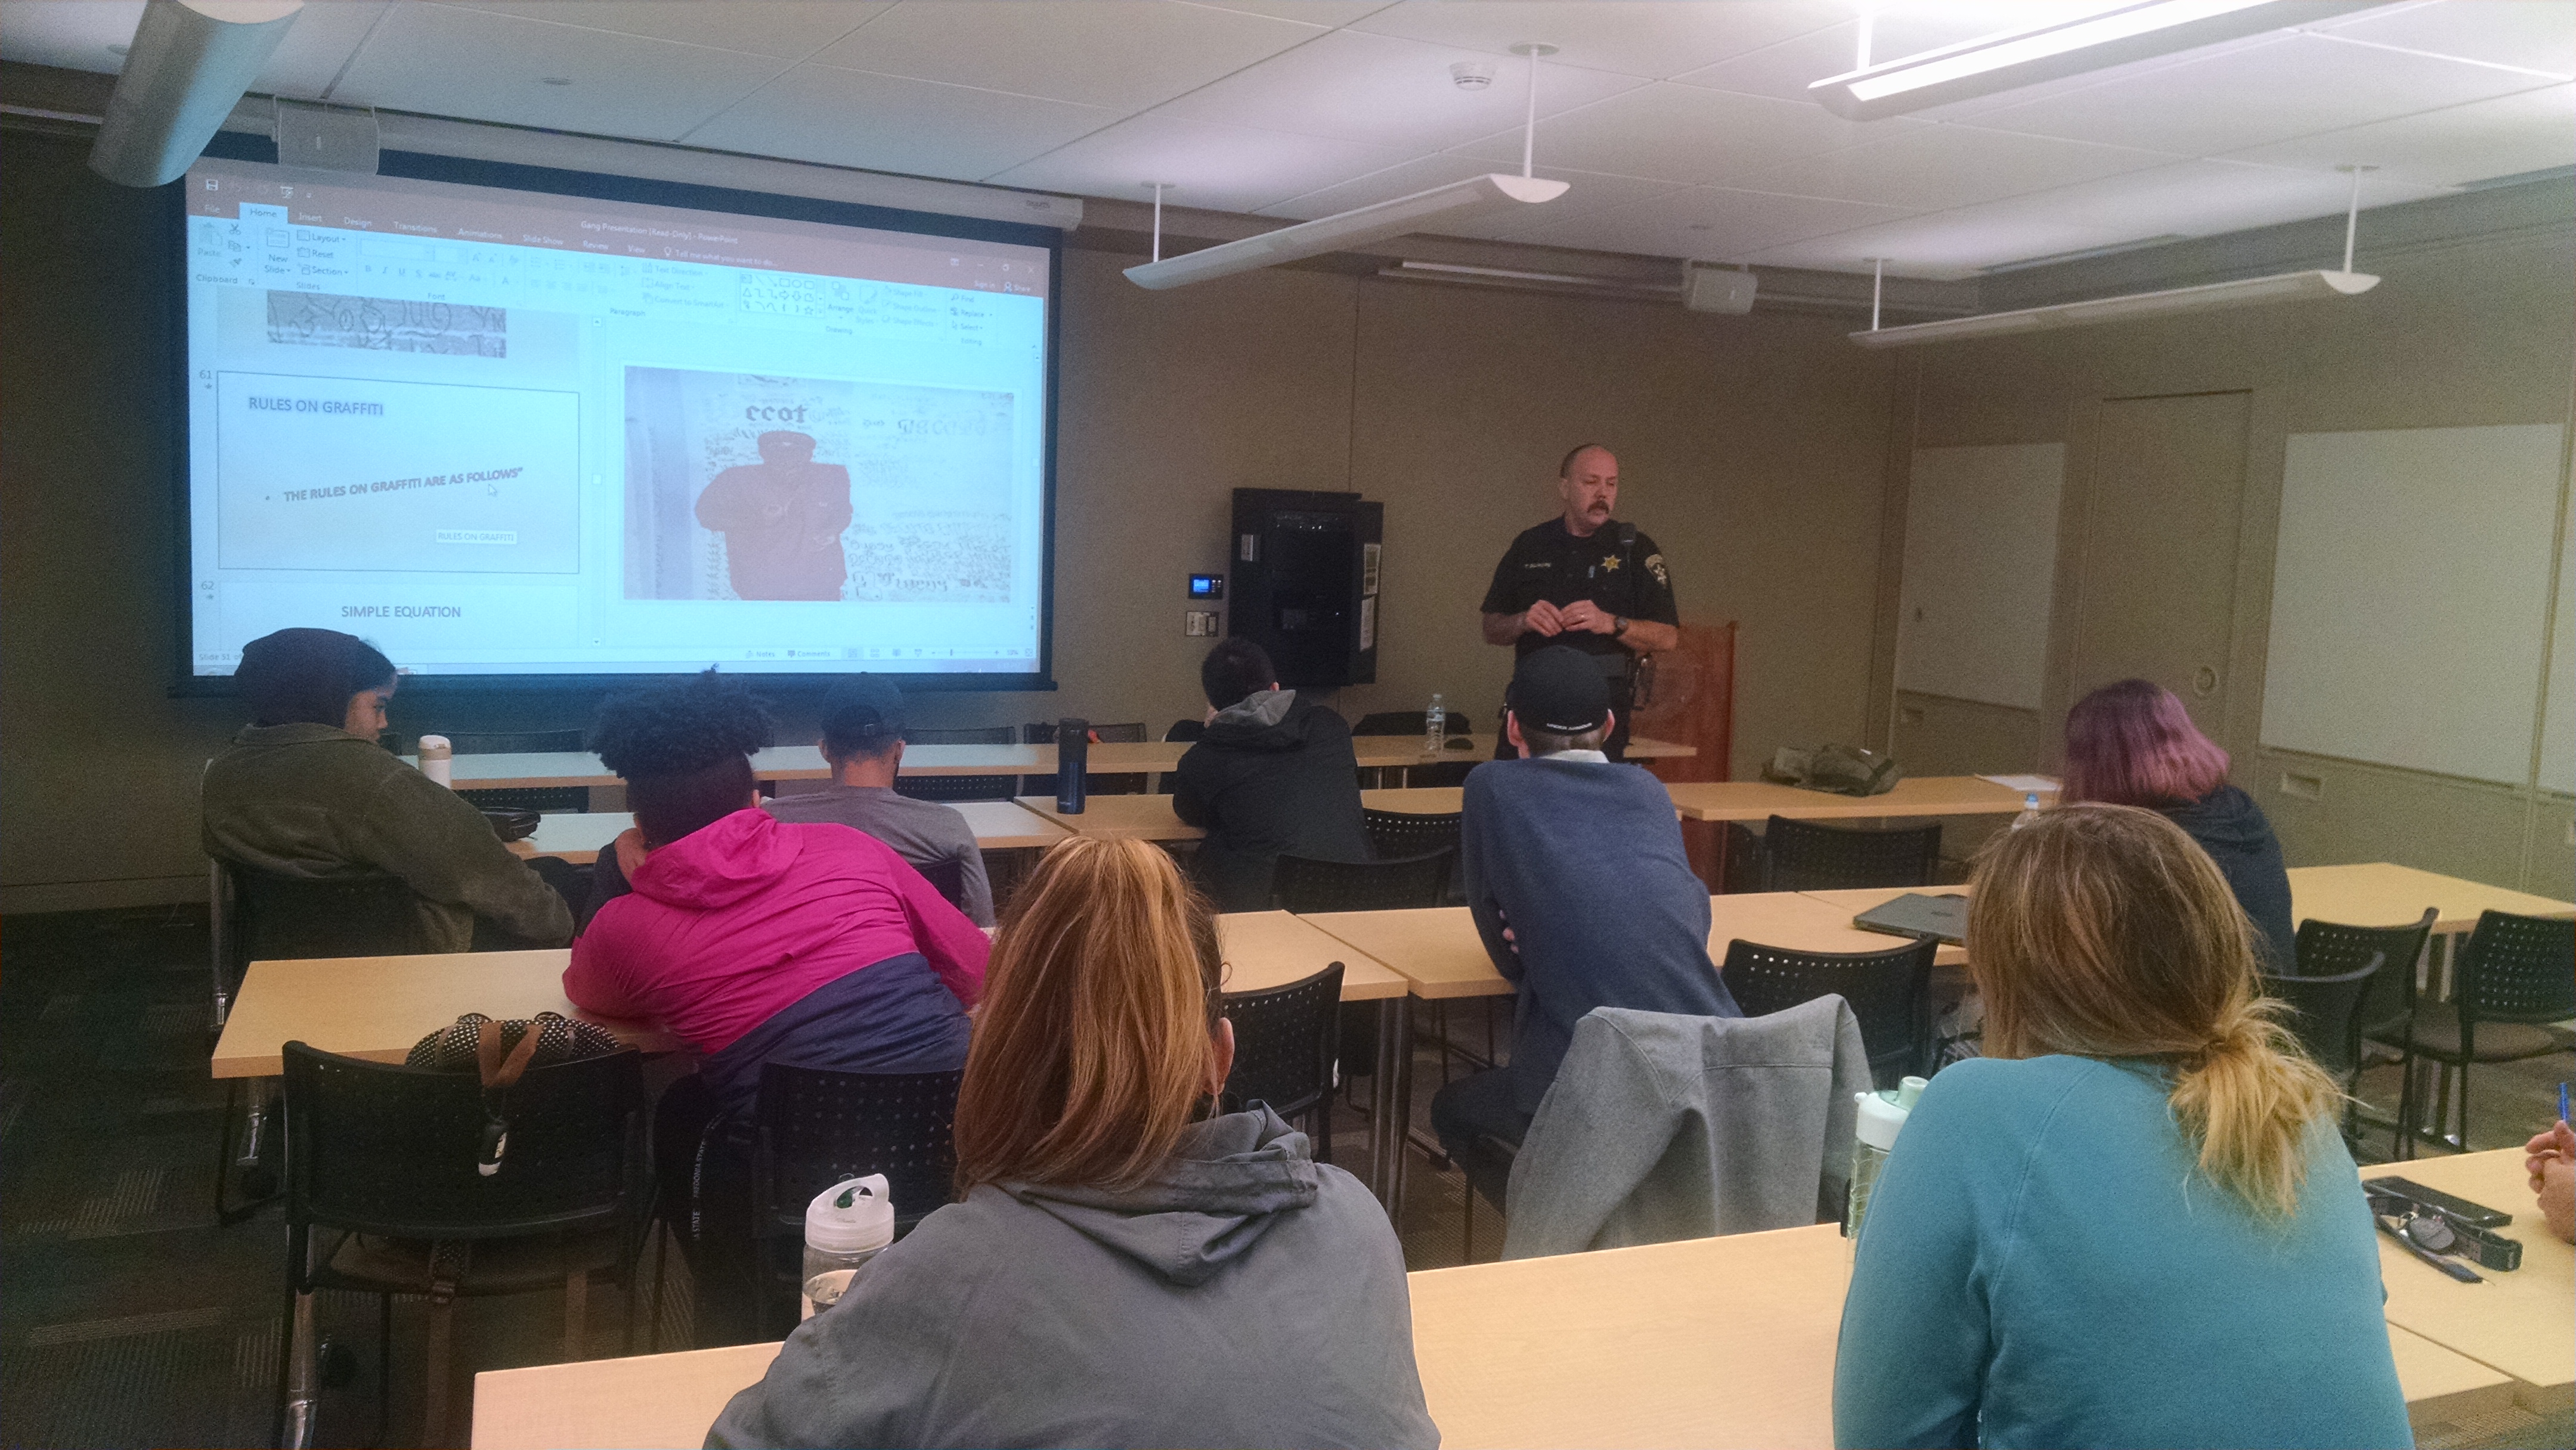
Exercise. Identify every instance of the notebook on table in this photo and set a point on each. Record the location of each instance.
(1924, 918)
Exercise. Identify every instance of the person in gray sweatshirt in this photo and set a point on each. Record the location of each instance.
(1124, 1269)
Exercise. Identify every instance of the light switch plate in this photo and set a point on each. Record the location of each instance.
(1198, 623)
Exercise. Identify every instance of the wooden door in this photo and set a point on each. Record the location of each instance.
(2158, 591)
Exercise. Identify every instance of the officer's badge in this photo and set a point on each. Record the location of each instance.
(1610, 564)
(1655, 566)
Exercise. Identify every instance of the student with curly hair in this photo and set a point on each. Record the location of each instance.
(2133, 1221)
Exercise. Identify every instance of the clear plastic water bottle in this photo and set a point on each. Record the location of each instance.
(1881, 1119)
(1435, 726)
(2029, 809)
(846, 1225)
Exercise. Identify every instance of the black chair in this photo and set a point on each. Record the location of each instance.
(1890, 992)
(1042, 732)
(1411, 722)
(1813, 856)
(388, 1157)
(947, 876)
(2325, 1015)
(2512, 977)
(1308, 886)
(261, 916)
(959, 787)
(1395, 835)
(1285, 1042)
(2332, 949)
(522, 798)
(814, 1127)
(1188, 730)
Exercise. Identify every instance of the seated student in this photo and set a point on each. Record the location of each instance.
(863, 743)
(306, 791)
(757, 940)
(2133, 1222)
(1575, 875)
(1129, 1265)
(1273, 776)
(2133, 744)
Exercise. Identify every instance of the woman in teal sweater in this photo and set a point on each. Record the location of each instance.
(2132, 1222)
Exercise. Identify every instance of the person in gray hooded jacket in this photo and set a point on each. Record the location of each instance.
(1118, 1272)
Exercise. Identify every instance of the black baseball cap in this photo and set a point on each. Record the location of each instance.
(1559, 690)
(863, 713)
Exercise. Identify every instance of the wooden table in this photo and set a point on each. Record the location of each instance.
(1849, 904)
(1420, 800)
(377, 1007)
(2379, 894)
(2520, 1323)
(1931, 795)
(1117, 818)
(579, 836)
(1613, 1348)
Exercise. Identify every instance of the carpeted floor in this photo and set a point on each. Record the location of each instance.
(131, 1318)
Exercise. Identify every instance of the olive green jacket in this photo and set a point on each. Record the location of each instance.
(309, 800)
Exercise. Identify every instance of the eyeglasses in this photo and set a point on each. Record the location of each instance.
(2425, 1229)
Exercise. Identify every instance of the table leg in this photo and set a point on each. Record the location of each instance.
(1386, 1136)
(303, 1378)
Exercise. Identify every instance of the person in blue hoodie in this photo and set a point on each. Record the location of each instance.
(1126, 1266)
(2133, 1222)
(2133, 744)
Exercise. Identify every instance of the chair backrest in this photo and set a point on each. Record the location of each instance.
(542, 798)
(2332, 949)
(1191, 730)
(1813, 856)
(947, 876)
(817, 1126)
(2516, 969)
(2325, 1013)
(268, 917)
(1889, 992)
(514, 742)
(957, 787)
(1285, 1041)
(380, 1148)
(979, 735)
(1395, 835)
(1411, 722)
(1304, 885)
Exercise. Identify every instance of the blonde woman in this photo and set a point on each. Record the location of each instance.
(2133, 1222)
(1124, 1268)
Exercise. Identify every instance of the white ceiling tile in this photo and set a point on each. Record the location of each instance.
(1587, 192)
(484, 66)
(1384, 92)
(894, 123)
(1707, 222)
(1218, 168)
(1944, 246)
(69, 34)
(1939, 166)
(2508, 136)
(1652, 40)
(1311, 12)
(2538, 34)
(316, 46)
(2194, 199)
(2294, 85)
(788, 29)
(1128, 54)
(1680, 133)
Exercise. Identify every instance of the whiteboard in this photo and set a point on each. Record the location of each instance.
(1980, 565)
(2558, 722)
(2409, 595)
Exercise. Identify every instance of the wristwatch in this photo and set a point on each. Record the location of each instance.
(1618, 626)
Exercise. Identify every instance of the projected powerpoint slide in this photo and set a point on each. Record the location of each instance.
(363, 474)
(748, 486)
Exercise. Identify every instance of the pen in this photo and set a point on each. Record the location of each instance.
(2562, 1102)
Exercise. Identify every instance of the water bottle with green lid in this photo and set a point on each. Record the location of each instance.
(846, 1225)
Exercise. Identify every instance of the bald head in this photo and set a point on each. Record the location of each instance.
(1588, 483)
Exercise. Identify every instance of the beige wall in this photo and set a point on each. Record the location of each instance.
(2459, 335)
(1753, 449)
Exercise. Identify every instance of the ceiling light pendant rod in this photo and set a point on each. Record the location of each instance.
(2352, 212)
(1529, 121)
(1877, 288)
(1158, 218)
(1868, 22)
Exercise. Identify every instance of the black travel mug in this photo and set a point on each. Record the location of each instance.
(1072, 759)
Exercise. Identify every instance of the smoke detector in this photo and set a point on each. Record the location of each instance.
(1472, 75)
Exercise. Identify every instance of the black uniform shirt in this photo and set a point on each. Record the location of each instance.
(1548, 563)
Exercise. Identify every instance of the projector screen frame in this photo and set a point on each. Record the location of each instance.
(602, 186)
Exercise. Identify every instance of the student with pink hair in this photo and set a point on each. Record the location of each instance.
(2133, 744)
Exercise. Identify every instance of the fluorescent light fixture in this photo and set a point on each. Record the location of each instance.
(2250, 292)
(1455, 202)
(2010, 59)
(189, 64)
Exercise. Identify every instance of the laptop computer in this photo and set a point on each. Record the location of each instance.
(1924, 918)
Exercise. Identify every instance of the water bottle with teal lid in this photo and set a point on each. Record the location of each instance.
(1882, 1117)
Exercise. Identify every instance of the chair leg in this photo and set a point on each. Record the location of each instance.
(384, 1366)
(576, 1315)
(2402, 1144)
(442, 1331)
(1467, 1218)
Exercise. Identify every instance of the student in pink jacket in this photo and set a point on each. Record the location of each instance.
(755, 940)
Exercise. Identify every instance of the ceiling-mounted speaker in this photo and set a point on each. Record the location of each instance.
(1710, 288)
(327, 138)
(188, 66)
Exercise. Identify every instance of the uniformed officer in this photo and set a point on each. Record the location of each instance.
(1581, 580)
